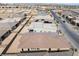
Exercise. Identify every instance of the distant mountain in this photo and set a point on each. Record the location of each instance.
(69, 3)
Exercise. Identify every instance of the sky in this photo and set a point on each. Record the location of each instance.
(39, 1)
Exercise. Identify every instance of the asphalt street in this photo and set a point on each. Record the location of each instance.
(74, 38)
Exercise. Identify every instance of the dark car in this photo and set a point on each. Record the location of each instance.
(36, 20)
